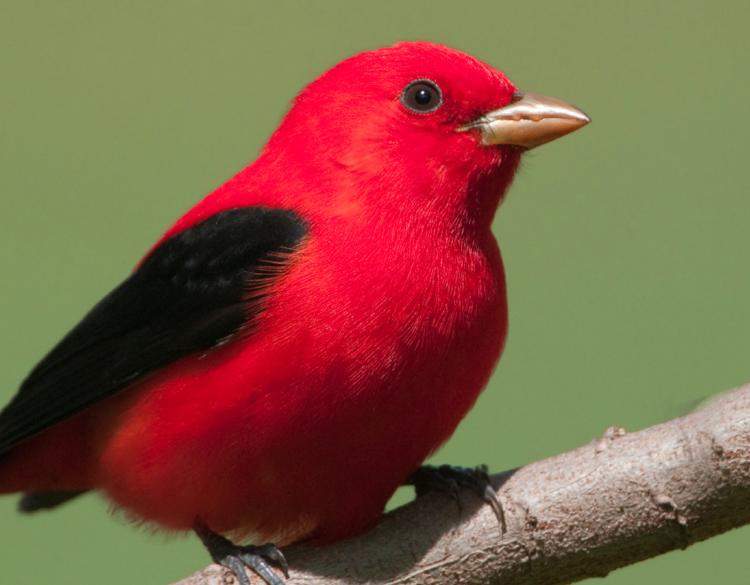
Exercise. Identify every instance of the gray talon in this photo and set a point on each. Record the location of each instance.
(448, 479)
(237, 567)
(237, 558)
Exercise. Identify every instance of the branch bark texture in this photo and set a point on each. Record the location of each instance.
(622, 498)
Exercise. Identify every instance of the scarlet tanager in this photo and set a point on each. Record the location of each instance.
(299, 342)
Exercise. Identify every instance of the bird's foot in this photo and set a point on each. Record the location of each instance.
(236, 558)
(449, 479)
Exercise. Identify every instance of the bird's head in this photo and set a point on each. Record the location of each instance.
(419, 127)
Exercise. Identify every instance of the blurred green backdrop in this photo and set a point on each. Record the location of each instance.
(626, 244)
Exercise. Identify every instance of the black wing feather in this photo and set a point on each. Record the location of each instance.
(189, 295)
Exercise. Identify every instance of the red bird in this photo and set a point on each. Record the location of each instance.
(299, 342)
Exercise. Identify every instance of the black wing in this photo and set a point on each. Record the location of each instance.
(188, 295)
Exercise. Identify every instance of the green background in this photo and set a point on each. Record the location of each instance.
(626, 244)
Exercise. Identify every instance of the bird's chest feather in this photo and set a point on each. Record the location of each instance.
(393, 355)
(399, 337)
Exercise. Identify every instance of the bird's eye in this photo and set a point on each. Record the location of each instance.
(422, 96)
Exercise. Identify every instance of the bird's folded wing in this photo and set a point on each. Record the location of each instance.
(196, 290)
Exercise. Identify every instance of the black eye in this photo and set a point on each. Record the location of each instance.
(422, 96)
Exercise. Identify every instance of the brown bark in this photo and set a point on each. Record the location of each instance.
(622, 498)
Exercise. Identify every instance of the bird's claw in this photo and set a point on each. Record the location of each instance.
(259, 559)
(449, 479)
(237, 558)
(272, 553)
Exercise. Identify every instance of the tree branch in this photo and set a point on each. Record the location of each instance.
(618, 500)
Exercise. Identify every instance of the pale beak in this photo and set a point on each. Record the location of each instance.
(528, 121)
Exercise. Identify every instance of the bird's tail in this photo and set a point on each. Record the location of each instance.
(49, 469)
(35, 501)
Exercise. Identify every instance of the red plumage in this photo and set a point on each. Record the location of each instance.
(372, 345)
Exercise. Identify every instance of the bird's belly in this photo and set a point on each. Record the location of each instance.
(301, 432)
